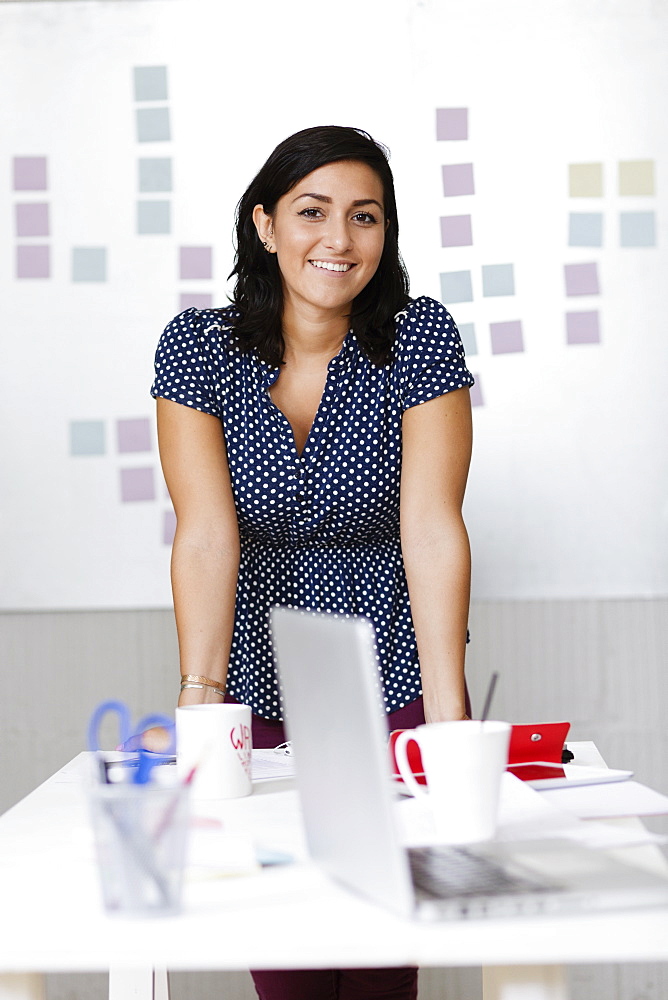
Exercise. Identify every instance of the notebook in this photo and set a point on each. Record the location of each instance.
(335, 717)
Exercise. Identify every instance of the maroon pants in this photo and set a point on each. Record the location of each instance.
(335, 984)
(270, 732)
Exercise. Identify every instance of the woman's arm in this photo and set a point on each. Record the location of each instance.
(435, 545)
(205, 555)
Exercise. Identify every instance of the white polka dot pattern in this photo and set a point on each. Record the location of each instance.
(318, 531)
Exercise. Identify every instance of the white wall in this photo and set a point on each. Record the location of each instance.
(568, 490)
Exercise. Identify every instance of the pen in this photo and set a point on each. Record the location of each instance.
(490, 694)
(169, 811)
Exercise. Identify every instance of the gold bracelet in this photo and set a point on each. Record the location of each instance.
(198, 679)
(202, 687)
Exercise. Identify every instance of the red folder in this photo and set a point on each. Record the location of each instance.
(529, 744)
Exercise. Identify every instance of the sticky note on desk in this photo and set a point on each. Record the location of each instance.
(212, 853)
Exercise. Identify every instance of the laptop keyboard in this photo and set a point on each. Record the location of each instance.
(451, 872)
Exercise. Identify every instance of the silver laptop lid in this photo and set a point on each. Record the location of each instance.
(334, 716)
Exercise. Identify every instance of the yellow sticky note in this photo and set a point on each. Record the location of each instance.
(636, 177)
(585, 180)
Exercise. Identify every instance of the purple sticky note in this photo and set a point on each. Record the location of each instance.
(456, 231)
(582, 328)
(33, 262)
(195, 262)
(137, 484)
(458, 179)
(195, 300)
(30, 173)
(506, 337)
(452, 123)
(168, 527)
(476, 393)
(581, 279)
(32, 219)
(134, 435)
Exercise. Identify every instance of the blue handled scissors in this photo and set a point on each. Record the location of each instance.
(126, 731)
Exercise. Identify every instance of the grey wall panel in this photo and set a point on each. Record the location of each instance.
(57, 666)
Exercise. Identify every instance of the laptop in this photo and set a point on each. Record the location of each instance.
(335, 718)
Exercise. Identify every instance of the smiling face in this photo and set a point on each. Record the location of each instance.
(328, 233)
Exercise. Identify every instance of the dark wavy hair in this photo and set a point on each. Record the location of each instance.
(258, 291)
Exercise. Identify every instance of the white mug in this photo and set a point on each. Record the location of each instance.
(216, 740)
(463, 763)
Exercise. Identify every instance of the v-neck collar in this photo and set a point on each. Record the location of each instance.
(339, 365)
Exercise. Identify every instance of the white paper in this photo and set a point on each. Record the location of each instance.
(214, 853)
(525, 814)
(574, 774)
(625, 798)
(267, 764)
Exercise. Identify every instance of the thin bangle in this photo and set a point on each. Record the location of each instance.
(203, 687)
(198, 679)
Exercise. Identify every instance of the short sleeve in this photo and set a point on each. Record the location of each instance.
(429, 355)
(187, 361)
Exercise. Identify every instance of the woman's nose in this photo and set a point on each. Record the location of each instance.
(338, 235)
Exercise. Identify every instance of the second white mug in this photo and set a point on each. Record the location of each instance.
(463, 763)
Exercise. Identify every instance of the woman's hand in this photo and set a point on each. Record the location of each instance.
(158, 739)
(429, 717)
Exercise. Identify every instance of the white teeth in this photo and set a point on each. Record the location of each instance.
(330, 267)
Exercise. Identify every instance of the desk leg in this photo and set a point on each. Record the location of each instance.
(22, 986)
(160, 984)
(524, 982)
(137, 984)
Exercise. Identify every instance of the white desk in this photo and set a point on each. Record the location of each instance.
(290, 917)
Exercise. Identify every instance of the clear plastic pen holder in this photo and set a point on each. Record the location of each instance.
(140, 838)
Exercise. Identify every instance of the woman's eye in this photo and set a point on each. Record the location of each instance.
(365, 217)
(310, 213)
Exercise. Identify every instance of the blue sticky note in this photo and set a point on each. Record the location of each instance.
(153, 125)
(637, 229)
(155, 174)
(585, 229)
(456, 286)
(498, 279)
(154, 217)
(87, 437)
(89, 264)
(467, 333)
(150, 83)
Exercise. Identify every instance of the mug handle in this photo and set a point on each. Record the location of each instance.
(401, 757)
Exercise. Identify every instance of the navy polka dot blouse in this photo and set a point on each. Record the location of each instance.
(318, 531)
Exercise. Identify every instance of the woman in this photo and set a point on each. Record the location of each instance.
(315, 437)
